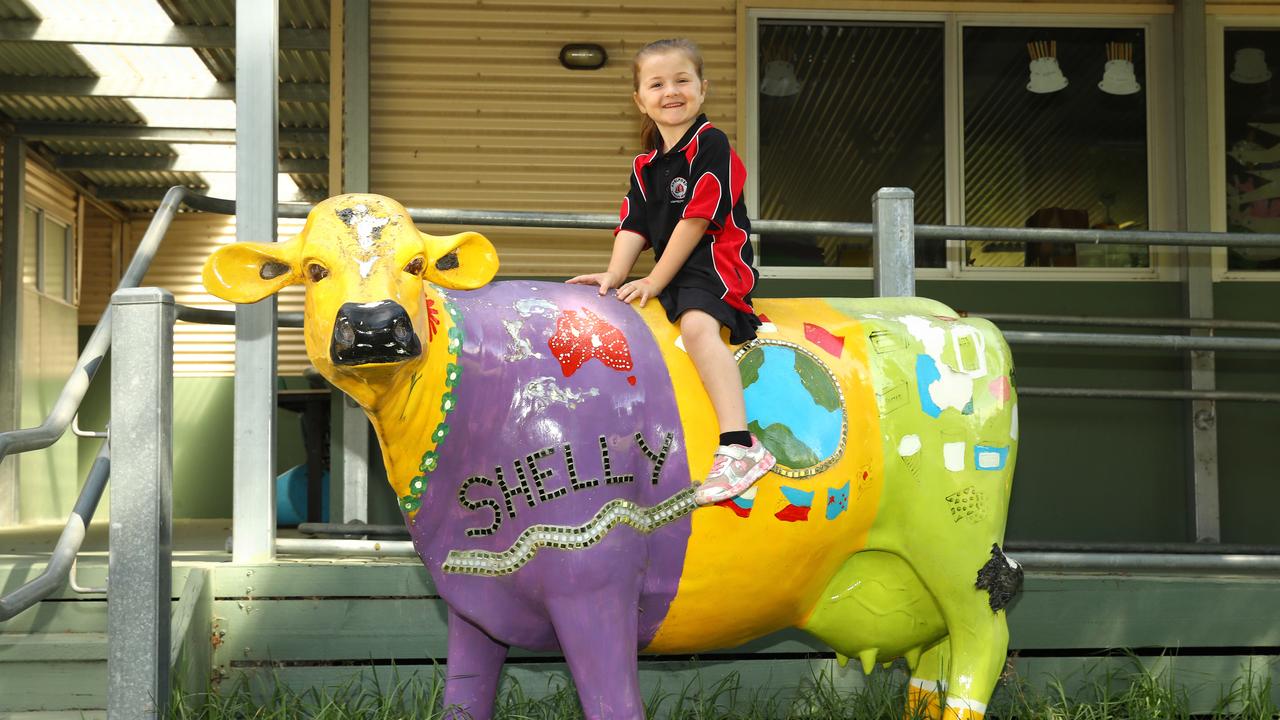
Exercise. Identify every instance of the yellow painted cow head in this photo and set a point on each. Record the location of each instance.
(366, 269)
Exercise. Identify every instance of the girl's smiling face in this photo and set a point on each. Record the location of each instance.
(670, 91)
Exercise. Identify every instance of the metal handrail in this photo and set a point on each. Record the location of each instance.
(64, 553)
(212, 316)
(1135, 322)
(598, 221)
(73, 392)
(1129, 394)
(1153, 342)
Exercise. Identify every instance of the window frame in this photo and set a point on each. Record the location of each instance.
(43, 216)
(1218, 23)
(1161, 153)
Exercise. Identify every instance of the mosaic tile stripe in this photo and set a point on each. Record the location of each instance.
(564, 537)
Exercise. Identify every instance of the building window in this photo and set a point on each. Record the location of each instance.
(31, 248)
(56, 270)
(845, 108)
(1055, 135)
(48, 254)
(1051, 127)
(1252, 133)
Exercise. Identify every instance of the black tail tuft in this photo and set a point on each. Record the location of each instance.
(1001, 577)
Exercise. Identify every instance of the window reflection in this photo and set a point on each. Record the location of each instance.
(845, 109)
(56, 255)
(30, 246)
(1055, 136)
(1252, 115)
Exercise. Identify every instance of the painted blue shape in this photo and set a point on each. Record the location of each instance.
(797, 497)
(837, 501)
(990, 457)
(778, 397)
(744, 503)
(926, 375)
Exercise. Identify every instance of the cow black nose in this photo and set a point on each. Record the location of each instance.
(379, 332)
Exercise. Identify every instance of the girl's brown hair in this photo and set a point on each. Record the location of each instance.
(650, 138)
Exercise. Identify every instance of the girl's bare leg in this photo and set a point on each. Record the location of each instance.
(716, 367)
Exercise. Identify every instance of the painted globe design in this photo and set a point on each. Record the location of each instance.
(794, 406)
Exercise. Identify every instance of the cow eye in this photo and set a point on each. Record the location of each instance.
(415, 266)
(317, 272)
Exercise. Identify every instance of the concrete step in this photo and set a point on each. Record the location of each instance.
(60, 674)
(55, 715)
(46, 647)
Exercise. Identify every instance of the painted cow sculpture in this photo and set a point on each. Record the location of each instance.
(544, 441)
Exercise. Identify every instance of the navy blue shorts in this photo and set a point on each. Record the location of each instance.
(679, 300)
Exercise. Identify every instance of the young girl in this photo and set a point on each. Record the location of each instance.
(686, 201)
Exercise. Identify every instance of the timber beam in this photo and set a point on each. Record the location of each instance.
(156, 194)
(289, 137)
(166, 163)
(95, 32)
(175, 88)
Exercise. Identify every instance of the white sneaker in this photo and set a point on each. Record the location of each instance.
(735, 469)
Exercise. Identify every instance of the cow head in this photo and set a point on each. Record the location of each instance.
(366, 269)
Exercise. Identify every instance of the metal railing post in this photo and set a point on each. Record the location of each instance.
(254, 462)
(11, 291)
(354, 466)
(139, 583)
(355, 462)
(893, 246)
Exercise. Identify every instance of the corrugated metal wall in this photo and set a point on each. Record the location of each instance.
(50, 193)
(470, 108)
(209, 350)
(100, 267)
(47, 191)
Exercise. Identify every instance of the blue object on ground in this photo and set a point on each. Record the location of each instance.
(291, 496)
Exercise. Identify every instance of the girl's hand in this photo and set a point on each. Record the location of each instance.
(605, 280)
(643, 289)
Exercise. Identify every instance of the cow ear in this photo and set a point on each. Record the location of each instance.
(246, 272)
(464, 261)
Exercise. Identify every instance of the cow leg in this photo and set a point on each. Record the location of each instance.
(928, 682)
(979, 640)
(471, 673)
(597, 633)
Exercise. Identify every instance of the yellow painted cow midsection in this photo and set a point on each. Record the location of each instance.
(774, 559)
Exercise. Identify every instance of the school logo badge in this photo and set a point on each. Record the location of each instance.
(679, 187)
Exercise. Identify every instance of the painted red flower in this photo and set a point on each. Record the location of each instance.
(580, 336)
(433, 319)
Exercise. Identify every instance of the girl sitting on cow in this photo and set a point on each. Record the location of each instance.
(686, 202)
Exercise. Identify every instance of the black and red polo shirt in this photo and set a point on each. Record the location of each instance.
(701, 177)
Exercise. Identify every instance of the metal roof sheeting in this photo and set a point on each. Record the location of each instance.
(42, 60)
(16, 10)
(46, 108)
(50, 60)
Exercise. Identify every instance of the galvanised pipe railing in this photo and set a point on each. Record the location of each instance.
(1134, 322)
(56, 572)
(73, 392)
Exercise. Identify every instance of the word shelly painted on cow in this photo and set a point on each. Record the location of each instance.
(526, 469)
(544, 442)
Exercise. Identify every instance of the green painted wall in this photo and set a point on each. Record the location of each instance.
(47, 478)
(1248, 433)
(1088, 470)
(202, 442)
(1115, 470)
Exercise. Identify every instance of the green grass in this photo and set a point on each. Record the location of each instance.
(1136, 694)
